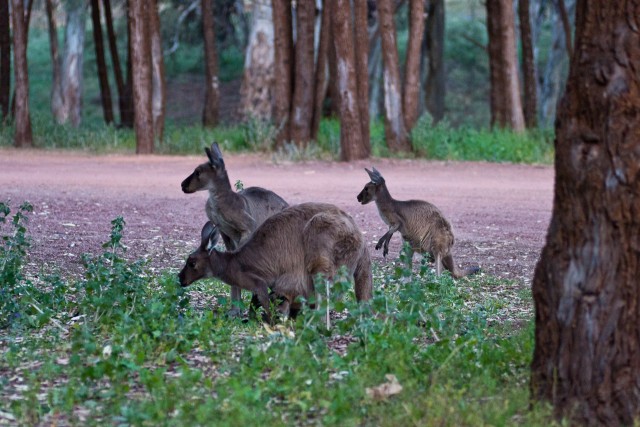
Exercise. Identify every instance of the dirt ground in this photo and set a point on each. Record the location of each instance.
(499, 212)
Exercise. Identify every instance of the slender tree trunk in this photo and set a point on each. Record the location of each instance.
(23, 136)
(105, 90)
(360, 13)
(528, 65)
(158, 102)
(283, 68)
(124, 101)
(67, 101)
(140, 44)
(410, 104)
(257, 81)
(5, 59)
(55, 55)
(322, 70)
(395, 130)
(211, 85)
(586, 361)
(351, 142)
(375, 76)
(435, 84)
(496, 64)
(566, 25)
(301, 108)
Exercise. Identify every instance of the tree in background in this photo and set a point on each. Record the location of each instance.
(434, 81)
(158, 91)
(528, 65)
(105, 90)
(23, 134)
(140, 53)
(352, 144)
(125, 101)
(394, 125)
(283, 68)
(257, 81)
(411, 94)
(506, 104)
(321, 84)
(66, 100)
(211, 86)
(5, 59)
(586, 290)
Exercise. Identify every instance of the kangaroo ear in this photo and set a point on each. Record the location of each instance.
(216, 149)
(375, 176)
(214, 155)
(210, 155)
(209, 236)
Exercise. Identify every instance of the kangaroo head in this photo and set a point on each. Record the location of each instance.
(209, 175)
(198, 264)
(368, 193)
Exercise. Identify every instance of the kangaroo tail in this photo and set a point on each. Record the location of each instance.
(362, 278)
(457, 273)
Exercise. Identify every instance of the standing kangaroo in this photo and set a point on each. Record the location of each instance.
(285, 254)
(420, 223)
(236, 215)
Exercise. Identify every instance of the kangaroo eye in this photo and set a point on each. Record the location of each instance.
(197, 173)
(192, 264)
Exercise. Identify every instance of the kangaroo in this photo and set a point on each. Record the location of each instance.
(236, 215)
(284, 255)
(420, 223)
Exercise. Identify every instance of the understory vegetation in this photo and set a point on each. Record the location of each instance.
(121, 345)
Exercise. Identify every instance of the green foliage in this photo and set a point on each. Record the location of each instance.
(441, 141)
(129, 348)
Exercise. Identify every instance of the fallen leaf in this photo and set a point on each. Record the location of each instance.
(384, 390)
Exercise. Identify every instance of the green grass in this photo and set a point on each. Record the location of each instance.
(123, 346)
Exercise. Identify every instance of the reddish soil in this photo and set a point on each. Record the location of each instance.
(499, 212)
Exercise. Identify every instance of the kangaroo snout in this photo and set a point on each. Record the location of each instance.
(361, 197)
(185, 185)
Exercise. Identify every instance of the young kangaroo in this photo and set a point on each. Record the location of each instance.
(236, 215)
(285, 254)
(420, 223)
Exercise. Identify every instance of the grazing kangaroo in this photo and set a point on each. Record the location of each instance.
(285, 254)
(420, 223)
(236, 215)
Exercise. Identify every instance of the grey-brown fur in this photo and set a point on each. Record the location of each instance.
(236, 215)
(285, 253)
(420, 223)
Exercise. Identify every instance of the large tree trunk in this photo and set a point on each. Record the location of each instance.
(257, 81)
(67, 99)
(23, 136)
(505, 81)
(411, 93)
(322, 70)
(302, 105)
(351, 142)
(211, 82)
(528, 65)
(5, 59)
(140, 45)
(105, 91)
(283, 68)
(157, 72)
(435, 85)
(586, 285)
(360, 14)
(395, 130)
(124, 98)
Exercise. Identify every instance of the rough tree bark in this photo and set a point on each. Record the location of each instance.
(54, 52)
(411, 94)
(124, 98)
(302, 103)
(360, 14)
(395, 130)
(5, 59)
(503, 64)
(23, 135)
(351, 142)
(140, 45)
(158, 103)
(66, 102)
(257, 81)
(283, 68)
(105, 90)
(211, 82)
(435, 84)
(322, 70)
(528, 65)
(586, 289)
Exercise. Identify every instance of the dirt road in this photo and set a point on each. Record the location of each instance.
(499, 212)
